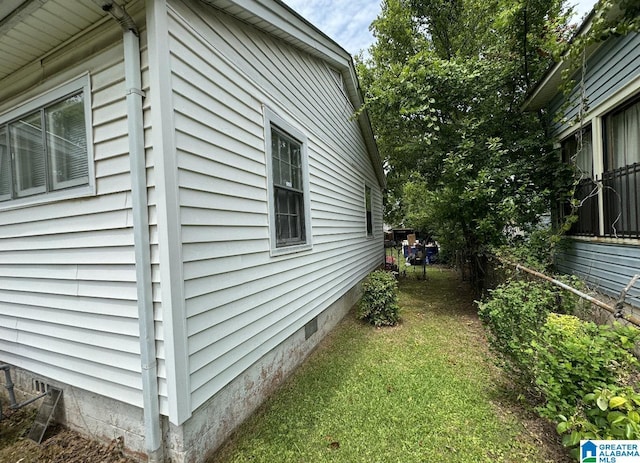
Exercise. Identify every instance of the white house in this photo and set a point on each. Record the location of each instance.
(187, 205)
(598, 129)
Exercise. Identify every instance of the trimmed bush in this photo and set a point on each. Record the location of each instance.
(379, 302)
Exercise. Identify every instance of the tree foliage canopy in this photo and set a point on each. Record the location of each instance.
(444, 84)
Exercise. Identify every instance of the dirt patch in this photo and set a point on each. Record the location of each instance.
(60, 445)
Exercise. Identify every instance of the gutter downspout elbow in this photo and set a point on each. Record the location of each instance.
(134, 96)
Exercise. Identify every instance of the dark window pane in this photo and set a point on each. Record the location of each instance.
(288, 186)
(277, 177)
(367, 194)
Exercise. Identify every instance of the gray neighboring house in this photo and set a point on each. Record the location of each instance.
(604, 244)
(187, 206)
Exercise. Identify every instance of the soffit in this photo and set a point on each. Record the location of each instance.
(29, 30)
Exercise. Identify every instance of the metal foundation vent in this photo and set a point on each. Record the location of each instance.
(310, 328)
(40, 386)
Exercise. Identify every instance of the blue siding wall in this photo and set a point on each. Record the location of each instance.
(613, 65)
(607, 268)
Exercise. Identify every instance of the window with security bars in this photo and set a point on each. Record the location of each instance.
(621, 177)
(44, 150)
(288, 189)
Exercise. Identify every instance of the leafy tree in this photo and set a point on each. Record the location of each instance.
(444, 84)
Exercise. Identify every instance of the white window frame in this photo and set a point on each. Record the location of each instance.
(79, 84)
(272, 119)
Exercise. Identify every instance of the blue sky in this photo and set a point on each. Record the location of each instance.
(347, 21)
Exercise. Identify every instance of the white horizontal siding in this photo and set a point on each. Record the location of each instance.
(240, 301)
(68, 301)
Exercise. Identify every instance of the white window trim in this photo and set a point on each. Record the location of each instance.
(82, 83)
(273, 119)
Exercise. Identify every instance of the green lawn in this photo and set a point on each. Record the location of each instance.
(425, 391)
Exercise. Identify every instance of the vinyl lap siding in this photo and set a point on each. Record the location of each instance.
(611, 67)
(607, 268)
(68, 303)
(240, 301)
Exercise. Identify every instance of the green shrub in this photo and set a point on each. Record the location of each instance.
(379, 302)
(573, 357)
(515, 312)
(606, 413)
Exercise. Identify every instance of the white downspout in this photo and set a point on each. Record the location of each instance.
(134, 96)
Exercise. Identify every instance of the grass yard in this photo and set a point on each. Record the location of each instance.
(424, 391)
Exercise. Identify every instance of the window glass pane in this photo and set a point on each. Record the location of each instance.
(367, 199)
(282, 229)
(296, 170)
(582, 159)
(284, 149)
(286, 161)
(617, 141)
(632, 134)
(624, 137)
(289, 217)
(285, 174)
(277, 166)
(28, 154)
(286, 166)
(294, 206)
(67, 143)
(621, 179)
(282, 205)
(277, 176)
(5, 166)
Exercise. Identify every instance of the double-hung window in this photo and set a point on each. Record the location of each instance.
(286, 154)
(45, 147)
(288, 185)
